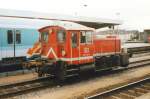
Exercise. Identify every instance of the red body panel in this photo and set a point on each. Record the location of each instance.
(81, 53)
(107, 45)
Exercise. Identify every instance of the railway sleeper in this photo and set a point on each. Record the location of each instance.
(123, 96)
(140, 90)
(145, 87)
(133, 92)
(130, 93)
(136, 92)
(113, 97)
(127, 96)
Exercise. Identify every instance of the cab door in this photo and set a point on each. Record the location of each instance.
(74, 47)
(86, 47)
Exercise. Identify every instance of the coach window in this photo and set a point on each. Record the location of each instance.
(10, 36)
(74, 40)
(18, 36)
(83, 37)
(61, 36)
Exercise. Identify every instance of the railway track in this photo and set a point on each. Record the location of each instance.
(134, 64)
(129, 91)
(10, 90)
(13, 89)
(146, 53)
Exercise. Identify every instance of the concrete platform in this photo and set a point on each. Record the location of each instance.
(133, 45)
(14, 73)
(17, 78)
(139, 58)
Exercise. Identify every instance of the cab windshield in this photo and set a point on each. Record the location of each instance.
(61, 36)
(44, 36)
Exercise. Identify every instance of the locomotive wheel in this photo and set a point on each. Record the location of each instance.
(103, 61)
(61, 71)
(100, 63)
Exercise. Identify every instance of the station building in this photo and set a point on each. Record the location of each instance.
(124, 35)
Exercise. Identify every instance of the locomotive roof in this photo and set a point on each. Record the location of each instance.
(67, 26)
(87, 21)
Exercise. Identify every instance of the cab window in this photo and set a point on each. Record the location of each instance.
(86, 37)
(83, 37)
(74, 39)
(61, 36)
(44, 36)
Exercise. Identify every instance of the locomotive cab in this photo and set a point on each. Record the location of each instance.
(52, 42)
(71, 46)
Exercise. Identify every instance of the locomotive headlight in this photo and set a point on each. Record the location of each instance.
(63, 52)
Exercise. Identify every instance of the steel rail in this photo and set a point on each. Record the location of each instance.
(135, 55)
(111, 93)
(12, 89)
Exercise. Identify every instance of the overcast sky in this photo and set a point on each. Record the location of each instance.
(134, 13)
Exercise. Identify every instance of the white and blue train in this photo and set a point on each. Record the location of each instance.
(16, 41)
(17, 35)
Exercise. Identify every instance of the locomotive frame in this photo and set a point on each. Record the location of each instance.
(66, 52)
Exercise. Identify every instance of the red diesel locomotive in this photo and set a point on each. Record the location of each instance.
(64, 52)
